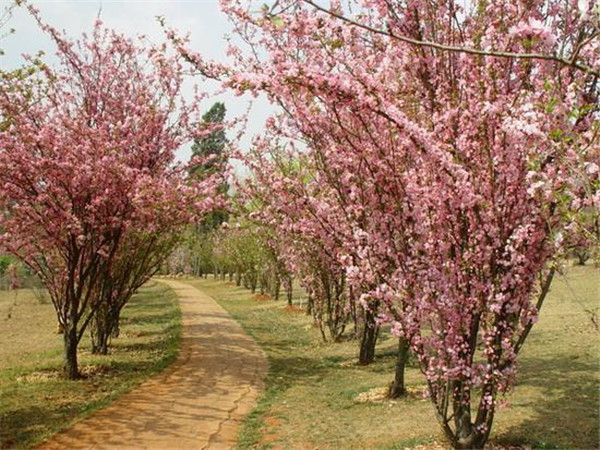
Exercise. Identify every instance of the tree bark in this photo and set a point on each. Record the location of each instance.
(397, 388)
(116, 326)
(289, 289)
(309, 305)
(582, 257)
(99, 331)
(99, 342)
(368, 341)
(70, 348)
(466, 436)
(262, 284)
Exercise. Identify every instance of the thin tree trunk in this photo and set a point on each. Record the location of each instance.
(582, 257)
(465, 435)
(100, 343)
(99, 335)
(397, 388)
(70, 349)
(116, 326)
(368, 341)
(289, 283)
(310, 305)
(353, 311)
(262, 284)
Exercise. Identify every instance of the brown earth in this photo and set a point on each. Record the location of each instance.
(196, 403)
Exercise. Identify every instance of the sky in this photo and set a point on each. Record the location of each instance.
(202, 18)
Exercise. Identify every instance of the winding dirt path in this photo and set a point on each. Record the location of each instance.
(196, 403)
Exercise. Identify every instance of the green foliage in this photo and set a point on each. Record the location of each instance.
(211, 149)
(24, 80)
(5, 261)
(212, 145)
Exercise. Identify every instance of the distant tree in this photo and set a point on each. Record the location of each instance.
(210, 151)
(213, 144)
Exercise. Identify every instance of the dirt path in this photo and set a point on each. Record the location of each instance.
(196, 403)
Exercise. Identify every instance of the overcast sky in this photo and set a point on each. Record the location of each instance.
(202, 18)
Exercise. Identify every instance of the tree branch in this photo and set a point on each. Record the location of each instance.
(457, 49)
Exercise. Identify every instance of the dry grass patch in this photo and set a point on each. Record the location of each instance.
(35, 401)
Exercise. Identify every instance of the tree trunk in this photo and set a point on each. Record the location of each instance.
(366, 355)
(104, 326)
(116, 326)
(70, 349)
(397, 388)
(319, 322)
(582, 257)
(353, 311)
(99, 332)
(262, 284)
(310, 305)
(99, 342)
(466, 436)
(289, 283)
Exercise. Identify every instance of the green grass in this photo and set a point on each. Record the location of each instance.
(35, 401)
(311, 389)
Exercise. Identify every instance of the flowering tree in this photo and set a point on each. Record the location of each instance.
(452, 137)
(86, 167)
(138, 258)
(287, 196)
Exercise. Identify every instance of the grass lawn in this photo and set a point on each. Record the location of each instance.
(312, 398)
(36, 402)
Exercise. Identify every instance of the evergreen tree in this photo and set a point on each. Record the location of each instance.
(211, 145)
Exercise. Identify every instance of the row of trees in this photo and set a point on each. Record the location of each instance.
(241, 252)
(256, 256)
(448, 154)
(91, 199)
